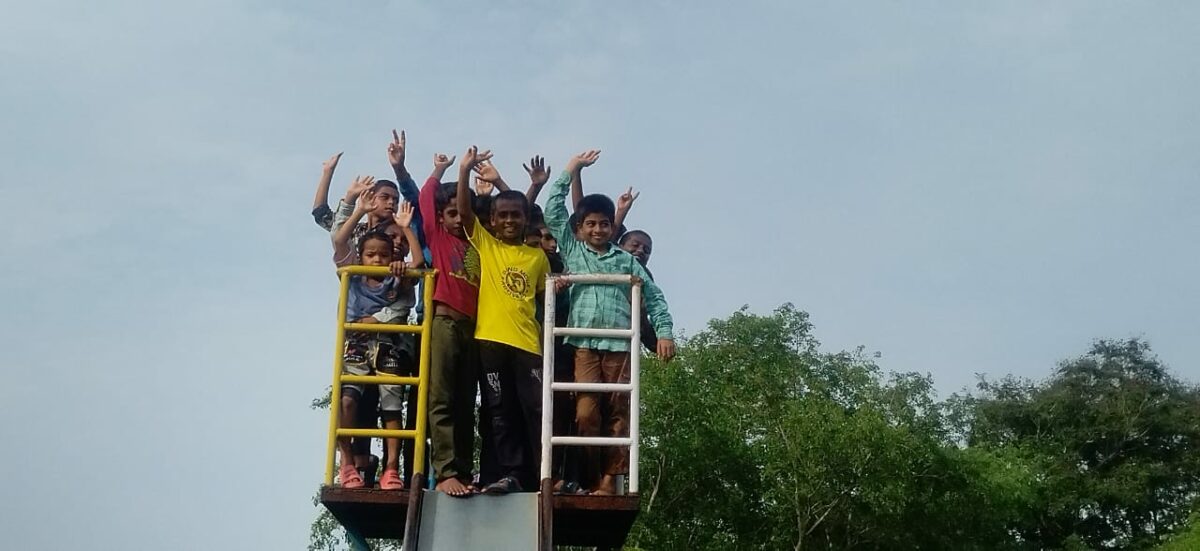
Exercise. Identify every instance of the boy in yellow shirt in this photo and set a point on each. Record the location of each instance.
(512, 278)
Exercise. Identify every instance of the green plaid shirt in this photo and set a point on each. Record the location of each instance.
(600, 306)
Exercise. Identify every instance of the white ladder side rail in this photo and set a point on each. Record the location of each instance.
(632, 387)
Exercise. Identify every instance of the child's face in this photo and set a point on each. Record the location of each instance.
(638, 246)
(386, 200)
(451, 220)
(596, 230)
(508, 220)
(533, 238)
(549, 243)
(400, 244)
(535, 235)
(376, 252)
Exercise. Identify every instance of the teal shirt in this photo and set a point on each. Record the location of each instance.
(600, 306)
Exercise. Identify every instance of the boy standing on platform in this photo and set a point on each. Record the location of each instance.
(512, 277)
(588, 249)
(453, 361)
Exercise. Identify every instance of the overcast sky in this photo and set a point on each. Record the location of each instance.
(965, 188)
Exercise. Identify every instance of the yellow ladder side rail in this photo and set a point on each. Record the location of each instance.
(421, 380)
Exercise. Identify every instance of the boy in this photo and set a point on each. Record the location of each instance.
(453, 361)
(376, 300)
(635, 242)
(588, 249)
(512, 276)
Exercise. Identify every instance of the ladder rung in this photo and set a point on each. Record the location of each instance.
(598, 278)
(380, 379)
(590, 441)
(379, 433)
(586, 332)
(382, 328)
(592, 387)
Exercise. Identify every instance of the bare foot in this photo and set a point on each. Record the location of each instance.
(453, 487)
(606, 487)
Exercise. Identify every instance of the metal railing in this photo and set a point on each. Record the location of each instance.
(549, 387)
(420, 381)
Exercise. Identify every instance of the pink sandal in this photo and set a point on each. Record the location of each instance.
(349, 477)
(391, 480)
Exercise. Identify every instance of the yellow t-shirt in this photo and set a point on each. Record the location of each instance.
(511, 276)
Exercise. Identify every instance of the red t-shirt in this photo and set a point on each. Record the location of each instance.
(456, 261)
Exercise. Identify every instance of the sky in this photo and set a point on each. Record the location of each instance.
(964, 187)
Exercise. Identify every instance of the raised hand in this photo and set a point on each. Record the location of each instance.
(487, 172)
(583, 160)
(483, 187)
(404, 214)
(330, 164)
(365, 202)
(395, 150)
(625, 200)
(440, 160)
(360, 184)
(473, 157)
(538, 172)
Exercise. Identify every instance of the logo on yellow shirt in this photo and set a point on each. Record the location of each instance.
(516, 283)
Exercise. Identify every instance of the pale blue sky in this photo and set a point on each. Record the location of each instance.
(963, 187)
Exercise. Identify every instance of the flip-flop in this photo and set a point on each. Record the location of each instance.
(506, 485)
(390, 480)
(349, 477)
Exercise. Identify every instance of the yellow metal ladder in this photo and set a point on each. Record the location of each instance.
(417, 435)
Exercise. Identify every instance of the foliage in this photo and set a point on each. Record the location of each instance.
(1115, 442)
(755, 439)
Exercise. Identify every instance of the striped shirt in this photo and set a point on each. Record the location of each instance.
(600, 306)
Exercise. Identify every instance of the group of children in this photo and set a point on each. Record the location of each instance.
(492, 254)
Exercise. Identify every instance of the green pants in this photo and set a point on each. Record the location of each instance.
(453, 373)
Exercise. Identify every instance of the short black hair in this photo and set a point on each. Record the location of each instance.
(385, 183)
(482, 206)
(513, 195)
(596, 203)
(625, 237)
(446, 192)
(536, 217)
(375, 235)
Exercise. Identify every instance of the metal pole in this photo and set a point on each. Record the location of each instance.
(335, 392)
(423, 377)
(635, 369)
(547, 378)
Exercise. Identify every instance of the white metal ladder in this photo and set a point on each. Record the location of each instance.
(635, 361)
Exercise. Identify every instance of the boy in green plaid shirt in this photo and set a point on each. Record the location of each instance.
(588, 249)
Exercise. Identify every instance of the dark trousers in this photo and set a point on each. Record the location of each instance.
(453, 372)
(565, 458)
(512, 408)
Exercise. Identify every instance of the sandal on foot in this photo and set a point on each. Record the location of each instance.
(390, 480)
(506, 485)
(349, 477)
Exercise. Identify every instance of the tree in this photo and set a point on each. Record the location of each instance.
(1114, 441)
(755, 439)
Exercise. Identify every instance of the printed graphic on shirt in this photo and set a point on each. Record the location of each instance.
(516, 283)
(468, 267)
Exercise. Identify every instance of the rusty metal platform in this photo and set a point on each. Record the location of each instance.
(589, 521)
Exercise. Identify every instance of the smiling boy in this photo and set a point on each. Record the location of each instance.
(512, 277)
(588, 249)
